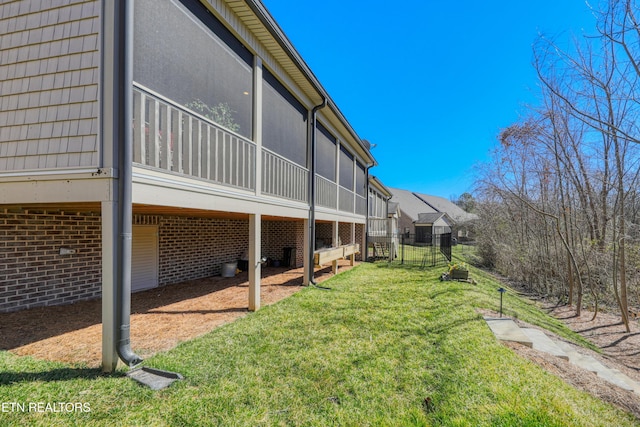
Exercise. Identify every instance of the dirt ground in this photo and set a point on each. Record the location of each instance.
(160, 318)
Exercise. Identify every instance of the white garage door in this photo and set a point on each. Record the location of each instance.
(144, 258)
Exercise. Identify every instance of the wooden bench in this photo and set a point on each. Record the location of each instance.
(332, 255)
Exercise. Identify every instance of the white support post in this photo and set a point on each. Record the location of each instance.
(392, 238)
(109, 275)
(336, 243)
(306, 254)
(353, 240)
(255, 226)
(363, 244)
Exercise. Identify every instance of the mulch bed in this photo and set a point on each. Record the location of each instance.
(160, 318)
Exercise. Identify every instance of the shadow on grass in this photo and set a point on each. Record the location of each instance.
(61, 374)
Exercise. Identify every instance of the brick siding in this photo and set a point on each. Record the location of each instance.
(277, 235)
(360, 231)
(344, 233)
(324, 233)
(192, 248)
(32, 271)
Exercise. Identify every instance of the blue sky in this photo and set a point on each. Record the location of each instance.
(431, 83)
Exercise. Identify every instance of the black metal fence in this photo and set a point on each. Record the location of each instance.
(427, 251)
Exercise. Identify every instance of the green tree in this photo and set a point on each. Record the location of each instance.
(222, 113)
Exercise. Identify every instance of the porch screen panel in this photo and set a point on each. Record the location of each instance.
(346, 169)
(184, 53)
(361, 187)
(284, 129)
(325, 153)
(372, 203)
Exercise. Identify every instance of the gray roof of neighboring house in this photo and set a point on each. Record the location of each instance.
(414, 204)
(430, 218)
(410, 204)
(443, 205)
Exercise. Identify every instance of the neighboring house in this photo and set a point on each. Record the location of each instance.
(379, 196)
(428, 225)
(440, 204)
(184, 133)
(413, 205)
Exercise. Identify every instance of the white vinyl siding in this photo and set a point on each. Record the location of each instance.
(144, 258)
(49, 76)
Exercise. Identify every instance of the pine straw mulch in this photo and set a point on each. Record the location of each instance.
(160, 318)
(620, 350)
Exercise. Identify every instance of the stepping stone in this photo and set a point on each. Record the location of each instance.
(630, 384)
(506, 329)
(590, 364)
(542, 342)
(618, 379)
(573, 355)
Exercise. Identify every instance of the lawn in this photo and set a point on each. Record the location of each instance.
(385, 346)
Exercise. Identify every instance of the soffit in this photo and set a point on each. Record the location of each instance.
(253, 23)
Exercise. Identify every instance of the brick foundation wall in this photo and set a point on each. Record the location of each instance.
(300, 243)
(324, 233)
(32, 271)
(277, 235)
(360, 239)
(192, 248)
(344, 232)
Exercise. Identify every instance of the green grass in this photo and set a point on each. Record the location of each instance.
(370, 351)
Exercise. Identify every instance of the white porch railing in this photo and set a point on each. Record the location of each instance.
(170, 137)
(361, 205)
(378, 227)
(282, 178)
(345, 200)
(326, 193)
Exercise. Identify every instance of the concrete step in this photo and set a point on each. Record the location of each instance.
(505, 329)
(569, 351)
(631, 384)
(588, 363)
(542, 342)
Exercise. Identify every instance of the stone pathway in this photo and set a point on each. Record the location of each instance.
(506, 329)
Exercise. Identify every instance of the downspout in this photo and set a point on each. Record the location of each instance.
(366, 226)
(312, 188)
(125, 174)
